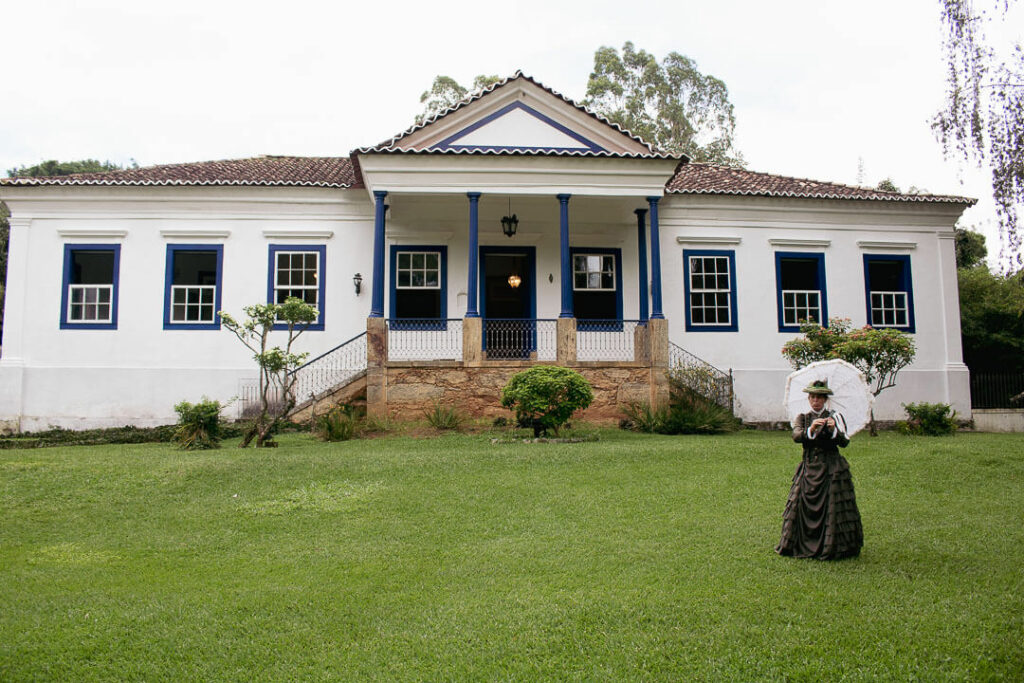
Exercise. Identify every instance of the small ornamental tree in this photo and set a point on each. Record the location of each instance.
(546, 396)
(878, 353)
(277, 366)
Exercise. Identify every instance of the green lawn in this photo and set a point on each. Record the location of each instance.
(636, 557)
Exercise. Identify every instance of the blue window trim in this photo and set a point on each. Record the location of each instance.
(442, 323)
(321, 278)
(908, 286)
(172, 249)
(700, 327)
(808, 256)
(69, 249)
(615, 252)
(450, 141)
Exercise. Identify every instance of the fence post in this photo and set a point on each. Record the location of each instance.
(657, 336)
(376, 372)
(565, 349)
(472, 340)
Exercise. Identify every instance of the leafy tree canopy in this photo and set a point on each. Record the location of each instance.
(970, 248)
(879, 354)
(992, 320)
(446, 92)
(983, 117)
(53, 167)
(671, 105)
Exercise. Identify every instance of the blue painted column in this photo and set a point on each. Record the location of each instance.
(472, 288)
(377, 300)
(563, 231)
(641, 254)
(655, 261)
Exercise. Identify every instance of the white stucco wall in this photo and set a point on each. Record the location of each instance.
(135, 374)
(843, 231)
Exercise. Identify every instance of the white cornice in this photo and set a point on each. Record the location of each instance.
(420, 235)
(93, 232)
(195, 234)
(705, 239)
(885, 244)
(299, 234)
(787, 242)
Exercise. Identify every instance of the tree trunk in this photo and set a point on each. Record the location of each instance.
(874, 431)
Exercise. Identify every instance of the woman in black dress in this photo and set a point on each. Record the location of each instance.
(821, 518)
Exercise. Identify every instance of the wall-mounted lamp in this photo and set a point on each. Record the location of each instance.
(357, 280)
(509, 223)
(514, 281)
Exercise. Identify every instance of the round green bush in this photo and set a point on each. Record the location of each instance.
(546, 396)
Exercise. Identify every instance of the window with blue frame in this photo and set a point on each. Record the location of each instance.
(800, 289)
(889, 292)
(298, 271)
(90, 287)
(710, 281)
(596, 286)
(419, 283)
(192, 286)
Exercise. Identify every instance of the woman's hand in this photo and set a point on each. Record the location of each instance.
(823, 422)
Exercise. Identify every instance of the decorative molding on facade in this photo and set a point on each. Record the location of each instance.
(299, 234)
(885, 244)
(420, 235)
(196, 234)
(810, 244)
(697, 239)
(98, 233)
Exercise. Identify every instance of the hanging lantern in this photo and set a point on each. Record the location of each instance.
(509, 223)
(514, 280)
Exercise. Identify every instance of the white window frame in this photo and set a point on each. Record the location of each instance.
(86, 305)
(412, 253)
(801, 312)
(289, 288)
(588, 272)
(894, 308)
(200, 304)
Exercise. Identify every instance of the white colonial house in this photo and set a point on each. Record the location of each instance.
(514, 228)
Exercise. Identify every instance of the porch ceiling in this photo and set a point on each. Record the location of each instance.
(541, 175)
(411, 213)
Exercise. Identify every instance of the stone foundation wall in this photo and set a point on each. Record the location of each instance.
(476, 391)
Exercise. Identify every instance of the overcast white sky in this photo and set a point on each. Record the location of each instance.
(817, 84)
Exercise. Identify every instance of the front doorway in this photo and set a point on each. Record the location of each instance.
(507, 290)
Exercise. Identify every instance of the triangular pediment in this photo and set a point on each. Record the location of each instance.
(519, 126)
(519, 115)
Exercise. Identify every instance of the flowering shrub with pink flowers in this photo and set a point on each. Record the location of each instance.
(878, 353)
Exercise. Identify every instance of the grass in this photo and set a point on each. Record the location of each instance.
(636, 557)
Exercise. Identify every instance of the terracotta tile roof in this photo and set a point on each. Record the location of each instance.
(263, 170)
(701, 178)
(394, 144)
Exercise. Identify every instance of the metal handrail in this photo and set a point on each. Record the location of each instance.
(701, 377)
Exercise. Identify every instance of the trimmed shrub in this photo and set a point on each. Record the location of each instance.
(545, 397)
(199, 425)
(929, 419)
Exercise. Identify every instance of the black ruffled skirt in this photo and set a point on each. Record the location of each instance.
(821, 519)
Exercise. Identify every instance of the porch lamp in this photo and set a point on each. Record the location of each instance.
(509, 223)
(357, 280)
(514, 280)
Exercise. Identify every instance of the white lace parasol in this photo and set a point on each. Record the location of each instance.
(851, 396)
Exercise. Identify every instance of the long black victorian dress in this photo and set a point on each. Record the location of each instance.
(821, 518)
